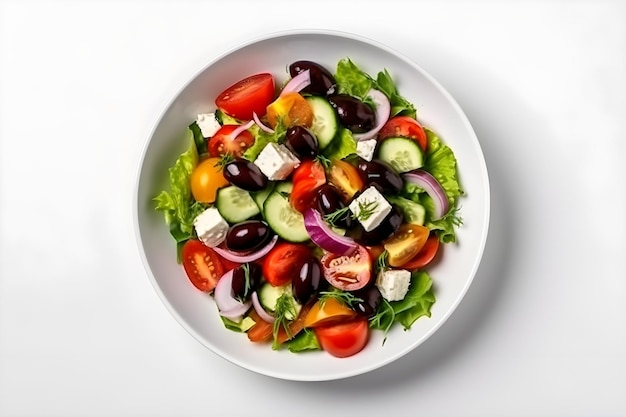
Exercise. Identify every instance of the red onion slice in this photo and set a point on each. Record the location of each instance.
(233, 135)
(383, 109)
(297, 83)
(228, 306)
(434, 189)
(261, 125)
(248, 257)
(324, 237)
(260, 310)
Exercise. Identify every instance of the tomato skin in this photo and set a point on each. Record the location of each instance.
(345, 177)
(328, 311)
(348, 272)
(306, 179)
(284, 262)
(252, 94)
(221, 143)
(206, 179)
(404, 126)
(344, 339)
(202, 265)
(426, 255)
(292, 109)
(405, 243)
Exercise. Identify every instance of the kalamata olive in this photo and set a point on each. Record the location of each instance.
(371, 300)
(329, 200)
(353, 113)
(381, 175)
(390, 224)
(301, 142)
(322, 81)
(246, 279)
(247, 235)
(244, 174)
(308, 280)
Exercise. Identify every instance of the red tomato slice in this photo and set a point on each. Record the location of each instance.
(221, 143)
(425, 255)
(307, 178)
(284, 262)
(202, 265)
(348, 272)
(345, 338)
(252, 94)
(404, 126)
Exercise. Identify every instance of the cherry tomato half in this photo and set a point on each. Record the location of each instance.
(252, 94)
(202, 265)
(405, 243)
(284, 262)
(206, 179)
(328, 311)
(307, 178)
(426, 255)
(345, 177)
(344, 339)
(348, 272)
(292, 109)
(404, 126)
(221, 143)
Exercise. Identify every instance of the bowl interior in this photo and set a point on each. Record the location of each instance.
(196, 311)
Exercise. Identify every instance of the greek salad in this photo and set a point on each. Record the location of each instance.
(311, 211)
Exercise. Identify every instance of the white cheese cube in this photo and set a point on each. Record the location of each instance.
(365, 148)
(208, 124)
(276, 161)
(393, 284)
(370, 208)
(211, 227)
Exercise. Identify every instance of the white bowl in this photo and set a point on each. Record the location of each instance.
(196, 311)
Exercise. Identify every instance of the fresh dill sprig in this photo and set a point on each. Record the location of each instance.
(343, 296)
(381, 262)
(381, 320)
(337, 215)
(366, 209)
(283, 311)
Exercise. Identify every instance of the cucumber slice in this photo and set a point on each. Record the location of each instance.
(260, 196)
(235, 205)
(269, 295)
(325, 123)
(413, 212)
(282, 218)
(403, 154)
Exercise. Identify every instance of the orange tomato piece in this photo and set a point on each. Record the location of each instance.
(206, 179)
(327, 311)
(292, 109)
(404, 244)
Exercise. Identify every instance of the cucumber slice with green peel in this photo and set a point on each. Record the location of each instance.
(325, 124)
(260, 196)
(235, 205)
(403, 154)
(286, 221)
(269, 295)
(413, 212)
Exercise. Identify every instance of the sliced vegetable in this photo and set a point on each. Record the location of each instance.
(344, 339)
(326, 311)
(383, 107)
(248, 257)
(263, 314)
(323, 236)
(202, 266)
(250, 95)
(261, 125)
(297, 83)
(425, 180)
(228, 305)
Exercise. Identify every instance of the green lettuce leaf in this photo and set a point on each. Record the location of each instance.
(178, 205)
(399, 105)
(341, 146)
(262, 138)
(304, 341)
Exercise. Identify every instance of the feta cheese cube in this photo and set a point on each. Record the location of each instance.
(211, 227)
(365, 148)
(276, 161)
(393, 284)
(208, 124)
(370, 208)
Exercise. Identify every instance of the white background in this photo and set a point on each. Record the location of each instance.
(542, 330)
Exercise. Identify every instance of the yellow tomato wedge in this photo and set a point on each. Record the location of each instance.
(328, 310)
(292, 109)
(206, 179)
(405, 243)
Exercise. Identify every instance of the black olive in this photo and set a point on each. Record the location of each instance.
(329, 200)
(308, 280)
(371, 299)
(248, 235)
(245, 175)
(353, 113)
(322, 81)
(301, 142)
(246, 279)
(381, 175)
(390, 224)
